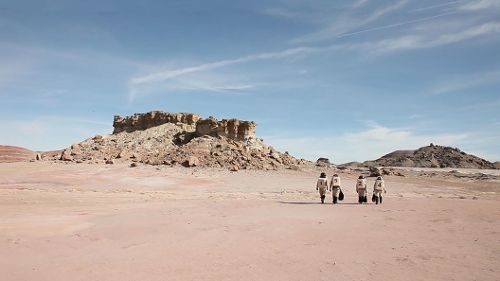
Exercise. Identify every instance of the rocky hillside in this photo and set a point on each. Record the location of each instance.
(163, 138)
(432, 156)
(15, 154)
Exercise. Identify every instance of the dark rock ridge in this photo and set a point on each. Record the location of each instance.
(164, 138)
(432, 156)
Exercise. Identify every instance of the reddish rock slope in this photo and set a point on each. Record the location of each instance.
(10, 154)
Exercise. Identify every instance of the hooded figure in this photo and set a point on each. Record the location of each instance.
(335, 187)
(322, 186)
(378, 188)
(361, 190)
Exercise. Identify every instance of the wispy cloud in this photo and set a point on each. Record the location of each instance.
(220, 82)
(480, 5)
(346, 23)
(440, 5)
(371, 143)
(466, 82)
(424, 38)
(419, 41)
(136, 83)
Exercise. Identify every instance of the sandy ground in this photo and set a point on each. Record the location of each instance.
(111, 222)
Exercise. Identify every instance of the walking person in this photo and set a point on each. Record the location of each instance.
(322, 186)
(335, 188)
(361, 189)
(378, 188)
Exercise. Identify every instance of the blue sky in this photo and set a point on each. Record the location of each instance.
(348, 80)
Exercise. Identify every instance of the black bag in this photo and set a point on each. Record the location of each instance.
(374, 198)
(341, 195)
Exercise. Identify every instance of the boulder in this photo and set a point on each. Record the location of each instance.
(124, 154)
(66, 155)
(38, 157)
(375, 171)
(323, 162)
(110, 161)
(192, 161)
(276, 156)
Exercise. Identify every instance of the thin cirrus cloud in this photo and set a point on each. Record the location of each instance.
(423, 38)
(136, 84)
(480, 5)
(466, 82)
(441, 5)
(346, 23)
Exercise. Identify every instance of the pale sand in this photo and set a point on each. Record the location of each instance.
(111, 222)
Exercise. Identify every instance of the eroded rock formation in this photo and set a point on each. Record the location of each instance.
(163, 138)
(143, 121)
(234, 129)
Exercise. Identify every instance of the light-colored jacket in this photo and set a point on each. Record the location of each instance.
(322, 183)
(361, 184)
(379, 185)
(335, 182)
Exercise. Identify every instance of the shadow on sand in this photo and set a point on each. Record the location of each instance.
(315, 203)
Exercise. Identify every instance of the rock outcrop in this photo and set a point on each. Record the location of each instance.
(143, 121)
(432, 156)
(163, 138)
(231, 128)
(323, 162)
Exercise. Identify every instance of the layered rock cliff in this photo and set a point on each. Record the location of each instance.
(143, 121)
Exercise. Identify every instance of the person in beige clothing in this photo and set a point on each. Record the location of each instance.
(335, 188)
(378, 188)
(361, 190)
(322, 186)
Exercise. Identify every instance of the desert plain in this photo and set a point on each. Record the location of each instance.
(62, 221)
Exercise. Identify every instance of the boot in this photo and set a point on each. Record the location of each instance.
(334, 199)
(365, 199)
(360, 199)
(376, 200)
(322, 199)
(380, 199)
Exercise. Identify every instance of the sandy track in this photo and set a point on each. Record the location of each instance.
(97, 222)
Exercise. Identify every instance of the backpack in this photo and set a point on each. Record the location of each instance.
(360, 184)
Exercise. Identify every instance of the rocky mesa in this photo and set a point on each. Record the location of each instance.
(165, 138)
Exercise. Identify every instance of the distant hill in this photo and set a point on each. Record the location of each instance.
(15, 154)
(432, 156)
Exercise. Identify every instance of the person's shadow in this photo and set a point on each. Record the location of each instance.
(315, 203)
